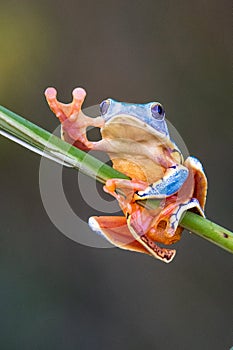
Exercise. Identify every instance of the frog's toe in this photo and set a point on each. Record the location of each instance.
(51, 93)
(55, 106)
(78, 94)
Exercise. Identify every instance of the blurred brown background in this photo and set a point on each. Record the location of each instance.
(57, 294)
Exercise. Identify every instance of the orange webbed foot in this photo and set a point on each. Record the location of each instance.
(117, 231)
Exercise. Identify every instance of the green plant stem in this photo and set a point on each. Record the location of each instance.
(59, 150)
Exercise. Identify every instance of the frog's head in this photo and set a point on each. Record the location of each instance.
(151, 113)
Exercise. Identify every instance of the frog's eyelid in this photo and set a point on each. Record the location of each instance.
(154, 104)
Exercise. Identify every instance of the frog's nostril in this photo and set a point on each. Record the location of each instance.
(104, 106)
(157, 111)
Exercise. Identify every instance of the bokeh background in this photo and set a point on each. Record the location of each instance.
(55, 293)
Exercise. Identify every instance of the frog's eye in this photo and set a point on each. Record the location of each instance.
(104, 106)
(157, 111)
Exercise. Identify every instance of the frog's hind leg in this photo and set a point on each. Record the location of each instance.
(171, 215)
(133, 230)
(163, 254)
(171, 182)
(115, 230)
(200, 180)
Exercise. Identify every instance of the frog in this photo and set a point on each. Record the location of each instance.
(138, 142)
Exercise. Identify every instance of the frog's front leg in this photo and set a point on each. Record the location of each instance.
(170, 183)
(74, 121)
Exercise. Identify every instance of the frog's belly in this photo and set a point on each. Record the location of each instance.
(138, 167)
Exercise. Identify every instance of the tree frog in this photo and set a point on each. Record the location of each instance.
(137, 139)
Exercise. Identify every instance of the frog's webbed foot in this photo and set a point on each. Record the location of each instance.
(115, 230)
(148, 227)
(74, 121)
(141, 235)
(121, 233)
(139, 221)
